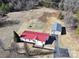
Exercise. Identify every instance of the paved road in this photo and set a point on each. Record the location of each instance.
(60, 52)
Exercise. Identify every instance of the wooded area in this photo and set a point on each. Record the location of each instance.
(67, 8)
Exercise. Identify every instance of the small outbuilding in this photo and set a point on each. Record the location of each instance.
(56, 28)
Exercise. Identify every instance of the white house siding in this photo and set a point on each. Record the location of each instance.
(56, 32)
(37, 43)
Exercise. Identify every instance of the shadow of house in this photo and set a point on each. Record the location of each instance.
(42, 53)
(63, 31)
(50, 40)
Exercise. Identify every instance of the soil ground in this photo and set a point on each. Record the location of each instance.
(40, 20)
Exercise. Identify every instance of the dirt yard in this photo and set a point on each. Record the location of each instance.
(39, 20)
(30, 18)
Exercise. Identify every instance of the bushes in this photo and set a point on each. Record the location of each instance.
(77, 30)
(49, 3)
(3, 11)
(77, 14)
(61, 16)
(46, 3)
(4, 8)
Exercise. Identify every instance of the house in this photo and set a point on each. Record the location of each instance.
(56, 28)
(36, 38)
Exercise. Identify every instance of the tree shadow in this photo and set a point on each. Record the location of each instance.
(9, 23)
(37, 52)
(2, 45)
(12, 49)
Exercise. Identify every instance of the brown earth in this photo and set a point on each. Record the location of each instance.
(44, 17)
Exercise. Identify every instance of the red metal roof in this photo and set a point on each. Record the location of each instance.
(34, 35)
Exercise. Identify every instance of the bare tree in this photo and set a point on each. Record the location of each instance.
(23, 4)
(70, 6)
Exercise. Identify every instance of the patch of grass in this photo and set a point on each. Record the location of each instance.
(30, 26)
(61, 17)
(77, 30)
(77, 14)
